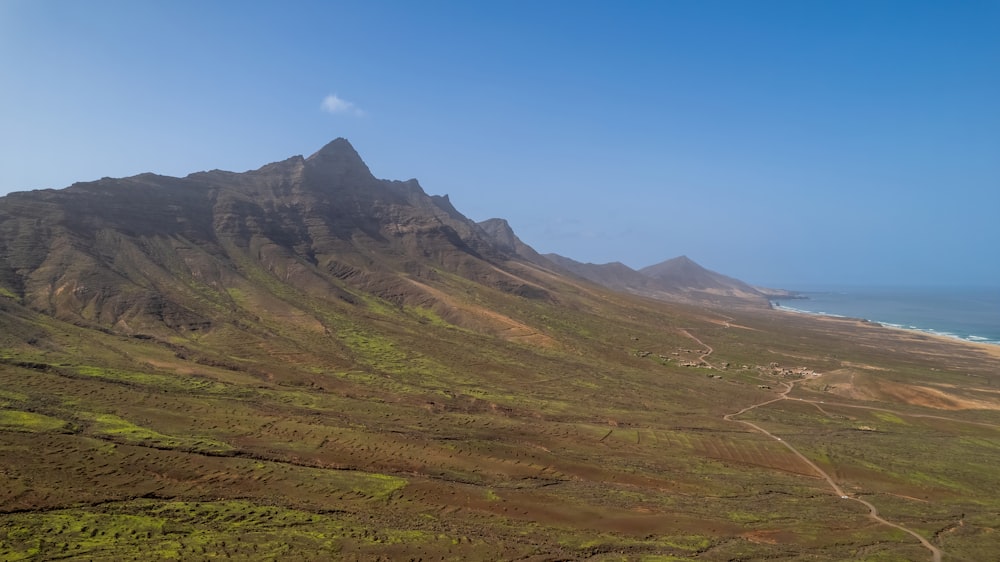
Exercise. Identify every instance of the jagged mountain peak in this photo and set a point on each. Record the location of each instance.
(501, 232)
(338, 158)
(337, 148)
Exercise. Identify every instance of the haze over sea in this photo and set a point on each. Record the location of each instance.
(967, 313)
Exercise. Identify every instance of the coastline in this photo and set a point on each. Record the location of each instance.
(989, 346)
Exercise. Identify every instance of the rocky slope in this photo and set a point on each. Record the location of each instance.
(111, 252)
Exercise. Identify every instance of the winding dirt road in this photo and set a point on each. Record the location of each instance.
(708, 349)
(872, 510)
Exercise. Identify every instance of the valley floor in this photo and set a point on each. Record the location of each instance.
(708, 435)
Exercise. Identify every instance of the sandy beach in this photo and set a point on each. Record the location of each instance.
(989, 347)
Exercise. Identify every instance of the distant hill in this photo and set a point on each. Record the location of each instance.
(677, 279)
(684, 276)
(614, 275)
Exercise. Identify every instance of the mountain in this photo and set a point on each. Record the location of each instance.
(683, 275)
(111, 252)
(678, 280)
(304, 361)
(615, 275)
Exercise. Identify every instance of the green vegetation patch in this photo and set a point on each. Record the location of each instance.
(8, 397)
(172, 531)
(16, 420)
(378, 486)
(679, 544)
(376, 305)
(165, 382)
(381, 354)
(185, 530)
(120, 429)
(426, 315)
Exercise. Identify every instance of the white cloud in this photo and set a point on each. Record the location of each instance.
(335, 104)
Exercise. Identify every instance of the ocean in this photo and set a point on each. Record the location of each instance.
(971, 314)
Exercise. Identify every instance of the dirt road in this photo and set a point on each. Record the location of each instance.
(872, 510)
(708, 349)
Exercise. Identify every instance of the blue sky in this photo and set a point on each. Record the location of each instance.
(782, 142)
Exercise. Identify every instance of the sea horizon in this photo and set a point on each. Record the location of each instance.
(966, 313)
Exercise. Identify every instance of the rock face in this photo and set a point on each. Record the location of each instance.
(111, 252)
(503, 236)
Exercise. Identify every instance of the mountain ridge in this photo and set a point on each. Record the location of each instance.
(677, 279)
(324, 219)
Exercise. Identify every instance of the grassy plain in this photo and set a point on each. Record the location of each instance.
(311, 428)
